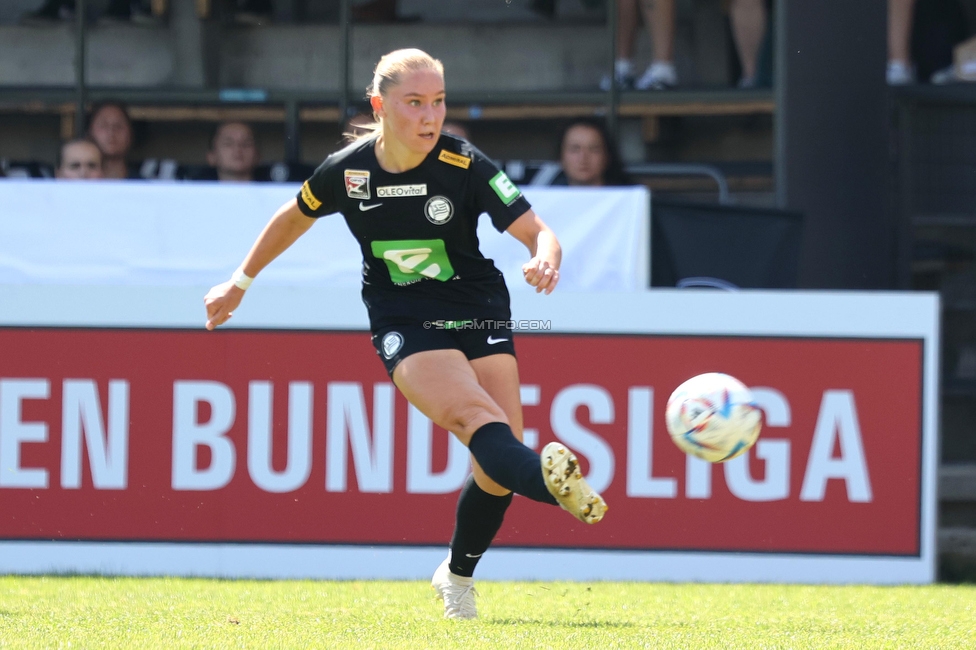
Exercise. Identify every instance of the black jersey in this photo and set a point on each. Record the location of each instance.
(418, 229)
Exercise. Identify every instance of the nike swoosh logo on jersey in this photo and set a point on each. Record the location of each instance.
(492, 341)
(363, 207)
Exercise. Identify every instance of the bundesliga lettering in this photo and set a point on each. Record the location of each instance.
(104, 434)
(396, 191)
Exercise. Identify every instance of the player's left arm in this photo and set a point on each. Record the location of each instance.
(542, 271)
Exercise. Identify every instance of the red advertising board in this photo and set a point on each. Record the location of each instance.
(298, 437)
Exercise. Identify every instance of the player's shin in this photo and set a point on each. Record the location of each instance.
(508, 462)
(479, 517)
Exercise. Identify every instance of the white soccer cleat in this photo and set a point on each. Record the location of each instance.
(457, 592)
(560, 469)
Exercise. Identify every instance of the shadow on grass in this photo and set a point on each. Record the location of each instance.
(550, 623)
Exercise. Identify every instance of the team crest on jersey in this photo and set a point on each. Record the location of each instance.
(357, 184)
(439, 210)
(392, 343)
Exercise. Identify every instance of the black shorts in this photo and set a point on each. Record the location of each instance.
(475, 338)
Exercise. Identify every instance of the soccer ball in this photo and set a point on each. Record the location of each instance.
(713, 416)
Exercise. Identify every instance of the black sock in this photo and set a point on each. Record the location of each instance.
(479, 516)
(508, 462)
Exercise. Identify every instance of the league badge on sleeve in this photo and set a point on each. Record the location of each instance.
(357, 184)
(504, 188)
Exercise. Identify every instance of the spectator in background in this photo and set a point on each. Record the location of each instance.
(79, 158)
(233, 156)
(109, 127)
(900, 16)
(921, 40)
(589, 157)
(749, 20)
(233, 152)
(659, 16)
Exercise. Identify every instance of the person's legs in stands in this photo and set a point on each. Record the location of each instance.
(627, 19)
(900, 14)
(623, 65)
(749, 22)
(659, 16)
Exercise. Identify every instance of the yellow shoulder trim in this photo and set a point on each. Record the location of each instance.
(309, 198)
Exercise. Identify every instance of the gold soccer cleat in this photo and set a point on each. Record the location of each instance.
(565, 482)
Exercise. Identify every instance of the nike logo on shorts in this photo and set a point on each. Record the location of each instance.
(363, 207)
(492, 341)
(473, 556)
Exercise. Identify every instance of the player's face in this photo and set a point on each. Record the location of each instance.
(413, 110)
(584, 156)
(80, 160)
(234, 150)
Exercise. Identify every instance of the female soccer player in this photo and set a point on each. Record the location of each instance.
(411, 196)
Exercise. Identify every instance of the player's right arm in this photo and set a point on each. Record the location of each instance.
(286, 226)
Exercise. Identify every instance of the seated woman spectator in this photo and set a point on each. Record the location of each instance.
(233, 152)
(589, 156)
(110, 128)
(79, 159)
(233, 156)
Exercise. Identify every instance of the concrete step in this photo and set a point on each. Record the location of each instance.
(507, 48)
(957, 482)
(959, 541)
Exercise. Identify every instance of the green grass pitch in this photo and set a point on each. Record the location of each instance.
(97, 612)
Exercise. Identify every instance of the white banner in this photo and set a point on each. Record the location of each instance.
(179, 234)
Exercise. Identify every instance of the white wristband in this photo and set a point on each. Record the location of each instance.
(241, 280)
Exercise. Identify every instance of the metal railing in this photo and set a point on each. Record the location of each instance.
(685, 169)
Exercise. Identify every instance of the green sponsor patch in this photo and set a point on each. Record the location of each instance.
(410, 260)
(457, 324)
(504, 188)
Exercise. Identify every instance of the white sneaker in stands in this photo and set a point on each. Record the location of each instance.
(899, 74)
(658, 76)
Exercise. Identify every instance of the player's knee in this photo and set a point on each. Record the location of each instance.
(465, 419)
